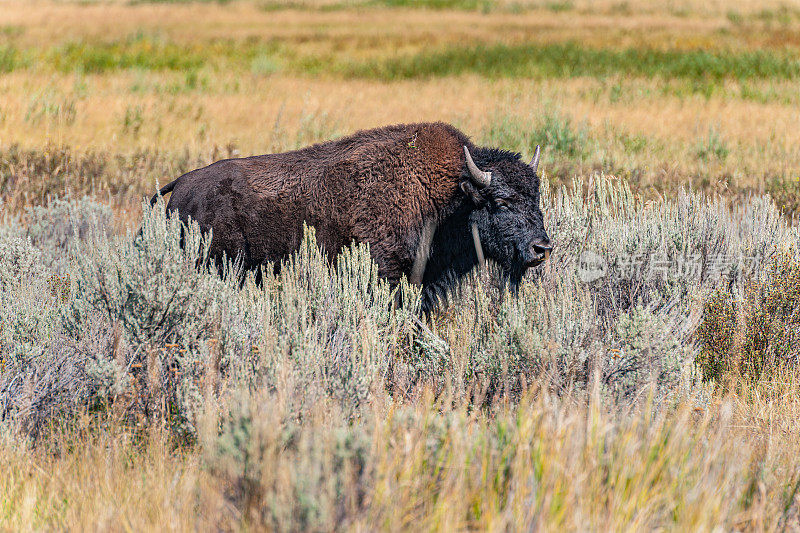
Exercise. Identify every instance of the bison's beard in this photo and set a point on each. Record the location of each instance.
(514, 273)
(513, 276)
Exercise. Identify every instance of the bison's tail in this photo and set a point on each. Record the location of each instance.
(164, 190)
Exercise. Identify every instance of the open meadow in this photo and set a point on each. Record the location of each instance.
(644, 377)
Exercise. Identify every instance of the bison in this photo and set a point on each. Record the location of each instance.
(426, 199)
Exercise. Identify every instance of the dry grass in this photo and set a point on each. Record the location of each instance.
(654, 138)
(547, 464)
(649, 129)
(763, 23)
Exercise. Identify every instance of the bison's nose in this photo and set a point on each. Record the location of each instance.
(538, 252)
(542, 246)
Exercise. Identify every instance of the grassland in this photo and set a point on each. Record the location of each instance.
(138, 393)
(663, 95)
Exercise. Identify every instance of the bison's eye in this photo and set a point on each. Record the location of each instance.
(501, 204)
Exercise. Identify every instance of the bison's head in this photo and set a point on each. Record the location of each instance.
(505, 192)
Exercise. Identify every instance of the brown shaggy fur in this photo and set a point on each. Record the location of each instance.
(378, 186)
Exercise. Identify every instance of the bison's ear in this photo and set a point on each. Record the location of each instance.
(471, 191)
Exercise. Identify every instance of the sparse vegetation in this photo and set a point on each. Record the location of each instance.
(712, 147)
(554, 132)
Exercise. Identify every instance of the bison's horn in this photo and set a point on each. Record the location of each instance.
(535, 160)
(478, 176)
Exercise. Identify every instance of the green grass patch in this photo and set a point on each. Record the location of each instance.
(573, 60)
(278, 5)
(734, 17)
(697, 71)
(712, 147)
(484, 6)
(560, 6)
(140, 51)
(559, 134)
(555, 133)
(465, 5)
(152, 52)
(264, 64)
(11, 30)
(10, 59)
(137, 2)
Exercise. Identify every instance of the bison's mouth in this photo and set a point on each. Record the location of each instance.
(538, 260)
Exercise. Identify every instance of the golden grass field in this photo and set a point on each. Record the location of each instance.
(114, 98)
(733, 463)
(276, 78)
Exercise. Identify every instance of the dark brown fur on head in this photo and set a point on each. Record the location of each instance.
(380, 186)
